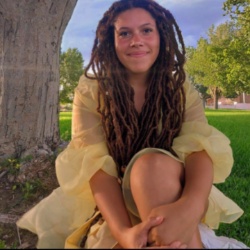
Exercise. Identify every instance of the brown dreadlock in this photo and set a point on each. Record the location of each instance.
(127, 131)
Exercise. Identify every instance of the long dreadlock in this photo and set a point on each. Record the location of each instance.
(127, 131)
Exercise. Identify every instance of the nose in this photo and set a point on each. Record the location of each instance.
(136, 41)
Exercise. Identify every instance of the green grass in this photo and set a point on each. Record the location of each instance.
(235, 125)
(65, 125)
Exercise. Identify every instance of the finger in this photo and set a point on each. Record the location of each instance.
(152, 222)
(178, 244)
(174, 245)
(148, 224)
(156, 247)
(183, 246)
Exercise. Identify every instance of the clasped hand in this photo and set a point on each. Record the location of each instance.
(180, 223)
(168, 226)
(137, 236)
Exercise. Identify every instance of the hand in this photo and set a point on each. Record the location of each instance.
(174, 245)
(137, 236)
(181, 220)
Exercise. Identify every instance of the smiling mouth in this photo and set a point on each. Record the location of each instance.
(137, 54)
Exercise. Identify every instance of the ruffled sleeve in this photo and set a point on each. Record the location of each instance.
(196, 135)
(87, 152)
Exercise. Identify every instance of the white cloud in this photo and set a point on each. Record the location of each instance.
(190, 40)
(179, 2)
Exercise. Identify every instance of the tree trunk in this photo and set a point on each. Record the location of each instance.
(216, 97)
(30, 39)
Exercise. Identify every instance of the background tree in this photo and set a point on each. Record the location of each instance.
(203, 92)
(239, 10)
(208, 63)
(222, 61)
(239, 50)
(30, 39)
(190, 68)
(71, 68)
(203, 70)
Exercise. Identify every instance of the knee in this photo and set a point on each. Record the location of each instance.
(155, 172)
(157, 166)
(148, 161)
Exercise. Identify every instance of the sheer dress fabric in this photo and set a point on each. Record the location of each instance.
(58, 218)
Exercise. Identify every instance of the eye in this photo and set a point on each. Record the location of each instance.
(124, 34)
(147, 30)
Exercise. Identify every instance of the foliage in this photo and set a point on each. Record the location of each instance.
(203, 90)
(239, 50)
(216, 62)
(202, 69)
(239, 10)
(71, 68)
(221, 40)
(12, 164)
(13, 167)
(2, 244)
(203, 93)
(222, 63)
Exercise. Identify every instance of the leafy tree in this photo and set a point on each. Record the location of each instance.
(239, 50)
(190, 68)
(203, 93)
(208, 63)
(221, 40)
(222, 62)
(202, 69)
(239, 10)
(71, 68)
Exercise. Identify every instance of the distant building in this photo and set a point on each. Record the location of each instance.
(240, 102)
(243, 98)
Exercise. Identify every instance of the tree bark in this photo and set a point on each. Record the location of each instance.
(30, 38)
(216, 97)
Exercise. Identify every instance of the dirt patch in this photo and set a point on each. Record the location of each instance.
(23, 185)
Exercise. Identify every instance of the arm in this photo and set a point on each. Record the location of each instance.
(198, 165)
(109, 199)
(183, 215)
(198, 181)
(197, 135)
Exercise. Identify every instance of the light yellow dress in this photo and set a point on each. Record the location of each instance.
(59, 219)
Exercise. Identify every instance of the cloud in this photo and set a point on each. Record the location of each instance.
(196, 17)
(171, 3)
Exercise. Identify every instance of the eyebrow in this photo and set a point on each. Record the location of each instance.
(145, 24)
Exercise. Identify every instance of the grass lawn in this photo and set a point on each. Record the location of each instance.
(65, 125)
(235, 125)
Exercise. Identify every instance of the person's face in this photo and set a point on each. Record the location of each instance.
(137, 40)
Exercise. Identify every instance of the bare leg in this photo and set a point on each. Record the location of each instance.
(163, 173)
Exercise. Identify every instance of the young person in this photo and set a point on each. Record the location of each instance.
(142, 151)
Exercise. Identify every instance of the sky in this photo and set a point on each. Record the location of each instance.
(194, 18)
